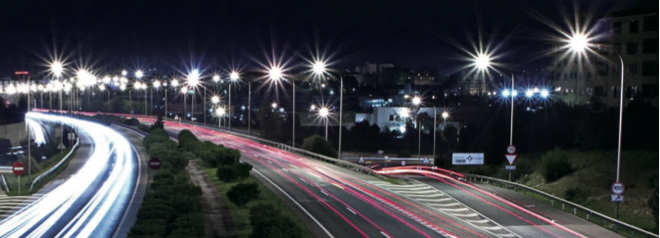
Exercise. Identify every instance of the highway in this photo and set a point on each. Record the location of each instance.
(340, 202)
(513, 217)
(90, 203)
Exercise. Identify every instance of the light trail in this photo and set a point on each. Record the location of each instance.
(92, 201)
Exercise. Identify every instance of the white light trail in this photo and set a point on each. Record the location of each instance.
(51, 215)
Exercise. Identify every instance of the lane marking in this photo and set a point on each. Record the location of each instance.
(349, 209)
(383, 233)
(295, 202)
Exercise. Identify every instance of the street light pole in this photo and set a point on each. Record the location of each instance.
(511, 133)
(293, 114)
(435, 115)
(341, 110)
(249, 106)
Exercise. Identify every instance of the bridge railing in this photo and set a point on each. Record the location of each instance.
(575, 209)
(51, 170)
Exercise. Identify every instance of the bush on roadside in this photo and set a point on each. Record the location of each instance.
(242, 193)
(242, 170)
(555, 165)
(266, 221)
(187, 140)
(319, 145)
(226, 173)
(576, 195)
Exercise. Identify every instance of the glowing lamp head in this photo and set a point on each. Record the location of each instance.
(233, 76)
(184, 90)
(156, 84)
(139, 74)
(275, 73)
(405, 113)
(318, 67)
(578, 43)
(215, 99)
(445, 115)
(274, 105)
(323, 112)
(416, 100)
(505, 93)
(216, 78)
(482, 61)
(545, 93)
(193, 78)
(220, 111)
(57, 68)
(529, 93)
(124, 73)
(175, 83)
(514, 93)
(106, 79)
(122, 87)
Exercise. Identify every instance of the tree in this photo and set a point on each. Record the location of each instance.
(159, 124)
(266, 221)
(319, 145)
(653, 204)
(226, 173)
(242, 170)
(242, 193)
(187, 140)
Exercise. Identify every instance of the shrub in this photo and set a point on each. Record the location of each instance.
(227, 156)
(242, 170)
(266, 221)
(242, 193)
(158, 124)
(555, 165)
(187, 140)
(149, 228)
(319, 145)
(226, 173)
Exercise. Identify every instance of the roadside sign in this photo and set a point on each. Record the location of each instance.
(510, 167)
(617, 198)
(467, 159)
(71, 136)
(386, 158)
(403, 162)
(618, 188)
(511, 158)
(511, 149)
(61, 146)
(380, 152)
(18, 168)
(426, 160)
(361, 161)
(154, 163)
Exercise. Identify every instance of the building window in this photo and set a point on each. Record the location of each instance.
(565, 76)
(573, 75)
(590, 91)
(604, 71)
(391, 118)
(634, 26)
(631, 92)
(617, 47)
(632, 69)
(616, 28)
(649, 68)
(650, 45)
(590, 76)
(651, 23)
(615, 92)
(631, 48)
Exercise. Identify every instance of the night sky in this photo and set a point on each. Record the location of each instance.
(214, 34)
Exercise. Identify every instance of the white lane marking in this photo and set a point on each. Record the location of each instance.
(285, 170)
(137, 183)
(349, 209)
(324, 193)
(383, 233)
(294, 201)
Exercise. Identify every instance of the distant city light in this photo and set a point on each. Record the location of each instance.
(545, 93)
(529, 93)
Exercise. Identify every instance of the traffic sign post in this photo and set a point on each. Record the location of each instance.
(426, 160)
(510, 153)
(511, 149)
(510, 167)
(617, 188)
(154, 163)
(361, 160)
(18, 168)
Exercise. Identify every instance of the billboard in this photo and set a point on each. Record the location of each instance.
(467, 158)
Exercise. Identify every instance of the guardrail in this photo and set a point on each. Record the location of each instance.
(64, 159)
(579, 211)
(4, 182)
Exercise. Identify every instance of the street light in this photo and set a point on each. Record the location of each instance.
(233, 77)
(579, 43)
(220, 112)
(215, 99)
(323, 112)
(156, 84)
(57, 68)
(275, 74)
(193, 81)
(320, 68)
(417, 101)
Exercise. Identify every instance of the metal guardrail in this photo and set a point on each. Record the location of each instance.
(64, 159)
(4, 182)
(291, 149)
(589, 215)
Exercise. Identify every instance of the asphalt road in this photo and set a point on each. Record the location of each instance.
(513, 217)
(91, 202)
(337, 201)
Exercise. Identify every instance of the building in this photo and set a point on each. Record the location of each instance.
(631, 34)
